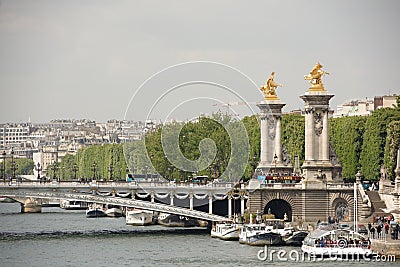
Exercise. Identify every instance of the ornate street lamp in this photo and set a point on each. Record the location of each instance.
(3, 167)
(75, 170)
(94, 170)
(13, 165)
(55, 167)
(275, 160)
(38, 168)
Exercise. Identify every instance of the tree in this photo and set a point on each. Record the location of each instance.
(346, 137)
(391, 147)
(374, 139)
(293, 135)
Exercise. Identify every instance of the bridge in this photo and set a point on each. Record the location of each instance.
(299, 202)
(32, 194)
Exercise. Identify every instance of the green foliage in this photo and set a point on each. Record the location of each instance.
(398, 102)
(346, 137)
(198, 142)
(93, 160)
(374, 139)
(254, 134)
(23, 166)
(293, 135)
(359, 142)
(391, 147)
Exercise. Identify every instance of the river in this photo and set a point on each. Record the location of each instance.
(57, 237)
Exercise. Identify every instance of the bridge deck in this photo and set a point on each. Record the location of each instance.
(115, 201)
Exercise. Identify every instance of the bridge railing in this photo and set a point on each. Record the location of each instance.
(281, 185)
(340, 185)
(133, 184)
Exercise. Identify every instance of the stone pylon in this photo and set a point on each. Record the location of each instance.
(318, 168)
(271, 157)
(396, 193)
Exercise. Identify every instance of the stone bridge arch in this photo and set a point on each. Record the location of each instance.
(341, 206)
(279, 203)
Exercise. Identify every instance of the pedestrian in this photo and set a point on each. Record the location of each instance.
(386, 228)
(372, 231)
(369, 227)
(396, 231)
(379, 230)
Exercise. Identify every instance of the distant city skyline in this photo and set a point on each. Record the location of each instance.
(74, 60)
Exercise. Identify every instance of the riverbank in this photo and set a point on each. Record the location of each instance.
(388, 247)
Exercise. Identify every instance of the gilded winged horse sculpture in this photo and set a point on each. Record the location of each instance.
(315, 77)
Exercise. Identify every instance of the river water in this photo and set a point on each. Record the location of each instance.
(57, 237)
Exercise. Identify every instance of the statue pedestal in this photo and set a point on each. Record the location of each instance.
(272, 159)
(317, 166)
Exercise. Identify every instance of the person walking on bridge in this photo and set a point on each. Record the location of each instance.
(372, 231)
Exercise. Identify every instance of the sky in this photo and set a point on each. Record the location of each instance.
(139, 60)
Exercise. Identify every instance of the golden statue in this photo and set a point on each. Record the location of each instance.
(269, 88)
(315, 78)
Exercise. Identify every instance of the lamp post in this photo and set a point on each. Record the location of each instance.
(60, 173)
(75, 169)
(3, 167)
(55, 167)
(145, 172)
(13, 165)
(38, 168)
(111, 169)
(94, 170)
(127, 173)
(275, 160)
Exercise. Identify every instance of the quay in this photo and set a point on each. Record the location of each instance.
(386, 247)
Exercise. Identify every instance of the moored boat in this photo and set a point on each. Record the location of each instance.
(336, 243)
(295, 239)
(225, 231)
(172, 220)
(259, 235)
(6, 199)
(73, 205)
(139, 217)
(95, 211)
(114, 212)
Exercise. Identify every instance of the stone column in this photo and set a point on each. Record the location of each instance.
(317, 166)
(397, 172)
(263, 142)
(325, 138)
(278, 139)
(271, 137)
(309, 127)
(191, 200)
(210, 203)
(171, 196)
(229, 205)
(242, 203)
(396, 193)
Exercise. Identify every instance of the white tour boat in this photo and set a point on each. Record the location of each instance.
(225, 231)
(336, 243)
(73, 205)
(139, 217)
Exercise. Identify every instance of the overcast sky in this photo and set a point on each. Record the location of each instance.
(86, 59)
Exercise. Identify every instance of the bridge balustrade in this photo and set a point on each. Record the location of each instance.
(121, 184)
